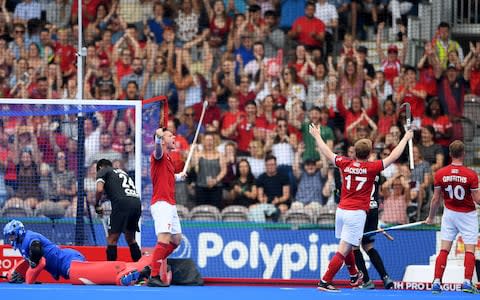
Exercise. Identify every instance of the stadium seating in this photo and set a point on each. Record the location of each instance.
(205, 213)
(235, 213)
(183, 212)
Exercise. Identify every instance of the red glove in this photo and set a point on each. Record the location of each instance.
(17, 273)
(32, 273)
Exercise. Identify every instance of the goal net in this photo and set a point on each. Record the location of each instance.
(49, 150)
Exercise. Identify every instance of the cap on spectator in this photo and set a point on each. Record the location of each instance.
(104, 63)
(451, 66)
(254, 8)
(392, 49)
(362, 49)
(310, 161)
(278, 106)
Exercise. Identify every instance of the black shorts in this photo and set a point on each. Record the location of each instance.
(125, 219)
(371, 224)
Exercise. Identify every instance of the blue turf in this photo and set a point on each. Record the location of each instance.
(69, 292)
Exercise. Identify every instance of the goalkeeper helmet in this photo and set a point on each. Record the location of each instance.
(13, 232)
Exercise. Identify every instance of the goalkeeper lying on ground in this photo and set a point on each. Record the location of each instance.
(39, 253)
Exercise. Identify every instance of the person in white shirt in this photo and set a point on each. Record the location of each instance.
(328, 14)
(26, 10)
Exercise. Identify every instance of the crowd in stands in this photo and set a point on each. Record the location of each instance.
(267, 69)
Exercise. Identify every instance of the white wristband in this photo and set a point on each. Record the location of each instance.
(158, 140)
(178, 177)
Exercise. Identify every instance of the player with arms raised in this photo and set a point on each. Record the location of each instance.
(458, 186)
(358, 177)
(163, 209)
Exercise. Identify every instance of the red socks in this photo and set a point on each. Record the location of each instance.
(170, 248)
(441, 263)
(469, 263)
(333, 267)
(350, 263)
(160, 253)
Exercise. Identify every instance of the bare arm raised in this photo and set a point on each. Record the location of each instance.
(398, 150)
(322, 146)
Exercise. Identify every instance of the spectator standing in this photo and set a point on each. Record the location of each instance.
(256, 159)
(443, 44)
(391, 64)
(327, 13)
(396, 191)
(319, 117)
(273, 37)
(210, 167)
(440, 122)
(431, 151)
(308, 30)
(26, 10)
(414, 93)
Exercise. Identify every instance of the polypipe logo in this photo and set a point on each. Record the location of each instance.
(184, 250)
(290, 257)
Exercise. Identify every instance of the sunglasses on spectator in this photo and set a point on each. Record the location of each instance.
(128, 144)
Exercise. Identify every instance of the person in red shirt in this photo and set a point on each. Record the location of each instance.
(391, 64)
(472, 72)
(358, 177)
(212, 113)
(89, 11)
(251, 127)
(439, 121)
(243, 93)
(413, 92)
(65, 54)
(356, 110)
(308, 30)
(162, 206)
(231, 119)
(426, 71)
(458, 186)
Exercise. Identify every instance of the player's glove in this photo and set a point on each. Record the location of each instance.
(15, 277)
(32, 264)
(99, 210)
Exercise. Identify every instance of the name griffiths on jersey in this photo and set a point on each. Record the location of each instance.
(454, 178)
(356, 171)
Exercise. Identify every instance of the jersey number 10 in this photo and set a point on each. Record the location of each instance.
(457, 192)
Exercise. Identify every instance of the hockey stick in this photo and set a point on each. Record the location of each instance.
(194, 143)
(92, 229)
(408, 126)
(396, 227)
